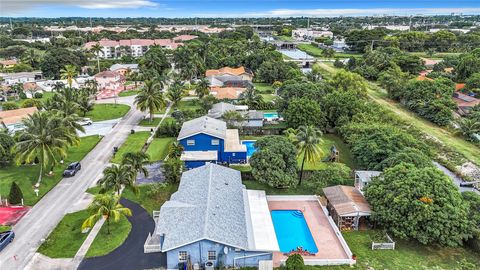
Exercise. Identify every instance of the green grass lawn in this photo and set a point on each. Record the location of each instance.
(158, 149)
(103, 112)
(264, 88)
(151, 196)
(192, 104)
(317, 52)
(268, 97)
(407, 255)
(105, 243)
(128, 93)
(4, 228)
(134, 143)
(26, 176)
(67, 237)
(146, 122)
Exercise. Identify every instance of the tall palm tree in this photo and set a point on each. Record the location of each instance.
(150, 98)
(68, 73)
(175, 94)
(136, 161)
(58, 86)
(202, 88)
(175, 150)
(31, 58)
(117, 176)
(45, 137)
(251, 97)
(97, 50)
(105, 206)
(470, 127)
(308, 145)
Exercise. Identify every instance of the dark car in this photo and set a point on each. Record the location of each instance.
(72, 169)
(6, 238)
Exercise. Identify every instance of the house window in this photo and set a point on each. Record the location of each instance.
(233, 154)
(215, 142)
(212, 255)
(182, 256)
(190, 142)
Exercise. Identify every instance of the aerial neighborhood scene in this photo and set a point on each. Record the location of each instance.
(214, 135)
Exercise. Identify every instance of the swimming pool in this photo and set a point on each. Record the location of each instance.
(250, 147)
(270, 115)
(292, 231)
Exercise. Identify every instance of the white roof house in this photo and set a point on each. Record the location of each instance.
(362, 178)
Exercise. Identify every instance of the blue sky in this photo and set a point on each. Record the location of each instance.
(232, 8)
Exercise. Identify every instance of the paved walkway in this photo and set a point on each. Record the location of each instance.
(129, 255)
(47, 213)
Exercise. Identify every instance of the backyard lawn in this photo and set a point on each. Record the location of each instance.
(191, 104)
(105, 243)
(103, 112)
(146, 122)
(67, 237)
(407, 255)
(317, 52)
(264, 88)
(26, 176)
(151, 196)
(134, 143)
(158, 149)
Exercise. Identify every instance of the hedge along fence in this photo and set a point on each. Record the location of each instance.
(262, 131)
(248, 176)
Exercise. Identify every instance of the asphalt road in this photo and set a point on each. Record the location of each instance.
(47, 213)
(129, 255)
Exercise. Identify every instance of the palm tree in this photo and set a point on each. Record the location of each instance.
(251, 97)
(470, 127)
(150, 98)
(233, 118)
(97, 49)
(136, 161)
(115, 177)
(68, 73)
(308, 146)
(31, 58)
(45, 137)
(58, 86)
(175, 94)
(85, 104)
(175, 150)
(202, 88)
(108, 207)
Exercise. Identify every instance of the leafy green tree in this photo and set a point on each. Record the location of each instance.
(309, 146)
(393, 79)
(468, 64)
(442, 40)
(31, 58)
(473, 82)
(105, 206)
(172, 169)
(473, 201)
(270, 71)
(359, 40)
(407, 155)
(117, 176)
(7, 106)
(421, 204)
(469, 127)
(349, 81)
(56, 59)
(304, 112)
(274, 162)
(155, 59)
(150, 99)
(15, 196)
(6, 144)
(333, 174)
(295, 262)
(341, 106)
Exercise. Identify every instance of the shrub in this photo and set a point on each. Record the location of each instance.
(38, 95)
(22, 95)
(27, 103)
(7, 106)
(172, 169)
(15, 196)
(295, 262)
(334, 174)
(7, 143)
(168, 129)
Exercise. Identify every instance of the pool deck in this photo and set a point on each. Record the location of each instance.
(330, 248)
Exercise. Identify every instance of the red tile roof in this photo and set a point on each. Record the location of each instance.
(226, 70)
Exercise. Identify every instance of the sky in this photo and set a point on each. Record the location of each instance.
(231, 8)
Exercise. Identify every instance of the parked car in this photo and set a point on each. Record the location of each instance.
(6, 238)
(85, 122)
(72, 169)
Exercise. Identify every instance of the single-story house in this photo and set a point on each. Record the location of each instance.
(347, 206)
(362, 178)
(124, 68)
(253, 118)
(12, 119)
(240, 71)
(21, 77)
(10, 63)
(212, 221)
(227, 92)
(207, 139)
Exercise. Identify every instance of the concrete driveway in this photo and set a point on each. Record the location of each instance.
(99, 128)
(129, 255)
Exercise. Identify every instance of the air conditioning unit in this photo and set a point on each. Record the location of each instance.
(209, 265)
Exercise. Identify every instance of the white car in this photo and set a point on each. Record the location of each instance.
(85, 122)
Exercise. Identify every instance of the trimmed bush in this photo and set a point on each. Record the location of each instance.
(15, 196)
(7, 106)
(295, 262)
(38, 95)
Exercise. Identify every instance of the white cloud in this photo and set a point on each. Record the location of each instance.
(346, 12)
(17, 6)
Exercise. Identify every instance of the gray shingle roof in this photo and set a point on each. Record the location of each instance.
(218, 109)
(209, 204)
(204, 124)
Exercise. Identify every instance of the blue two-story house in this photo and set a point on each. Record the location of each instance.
(207, 139)
(214, 221)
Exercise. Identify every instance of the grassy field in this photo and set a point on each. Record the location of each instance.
(26, 176)
(264, 88)
(317, 52)
(67, 237)
(146, 122)
(448, 138)
(158, 149)
(151, 196)
(134, 143)
(407, 255)
(105, 243)
(128, 93)
(46, 95)
(189, 105)
(4, 228)
(103, 112)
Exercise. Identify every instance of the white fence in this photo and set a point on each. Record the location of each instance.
(151, 248)
(388, 245)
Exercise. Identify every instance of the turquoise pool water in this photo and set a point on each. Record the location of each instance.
(292, 231)
(270, 115)
(250, 147)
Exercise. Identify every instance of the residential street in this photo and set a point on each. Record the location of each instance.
(46, 214)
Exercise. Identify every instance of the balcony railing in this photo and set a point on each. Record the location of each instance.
(152, 244)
